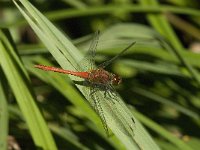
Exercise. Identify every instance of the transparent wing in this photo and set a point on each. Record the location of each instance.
(106, 63)
(98, 108)
(88, 62)
(97, 101)
(111, 94)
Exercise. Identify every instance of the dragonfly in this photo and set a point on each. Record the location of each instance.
(97, 78)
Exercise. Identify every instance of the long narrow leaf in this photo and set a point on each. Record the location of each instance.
(19, 82)
(3, 113)
(118, 116)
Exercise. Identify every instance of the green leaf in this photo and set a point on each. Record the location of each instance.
(162, 25)
(3, 113)
(167, 135)
(118, 117)
(20, 85)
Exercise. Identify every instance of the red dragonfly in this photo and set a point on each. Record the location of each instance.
(97, 79)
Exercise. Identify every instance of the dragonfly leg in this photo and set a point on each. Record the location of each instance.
(107, 94)
(110, 92)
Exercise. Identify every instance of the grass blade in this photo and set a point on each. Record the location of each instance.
(20, 85)
(3, 114)
(118, 116)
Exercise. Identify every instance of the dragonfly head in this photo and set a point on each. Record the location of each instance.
(116, 79)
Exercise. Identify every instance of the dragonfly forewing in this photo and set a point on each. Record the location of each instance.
(88, 62)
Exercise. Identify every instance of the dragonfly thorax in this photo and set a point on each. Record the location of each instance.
(103, 77)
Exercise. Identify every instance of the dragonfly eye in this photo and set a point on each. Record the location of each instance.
(116, 80)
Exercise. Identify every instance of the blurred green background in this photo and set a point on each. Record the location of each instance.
(161, 78)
